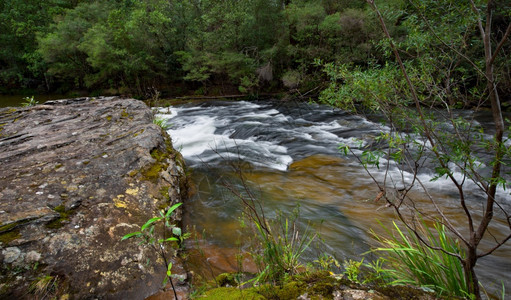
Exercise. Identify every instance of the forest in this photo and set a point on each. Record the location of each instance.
(208, 47)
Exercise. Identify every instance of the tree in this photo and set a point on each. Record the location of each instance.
(427, 70)
(131, 45)
(231, 39)
(113, 44)
(20, 64)
(60, 46)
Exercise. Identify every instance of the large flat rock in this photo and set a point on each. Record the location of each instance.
(75, 176)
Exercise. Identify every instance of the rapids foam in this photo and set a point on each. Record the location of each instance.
(210, 134)
(272, 136)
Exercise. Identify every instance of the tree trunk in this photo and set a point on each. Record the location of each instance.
(498, 119)
(469, 264)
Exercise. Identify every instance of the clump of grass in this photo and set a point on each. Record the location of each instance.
(283, 245)
(162, 123)
(409, 261)
(45, 287)
(29, 101)
(280, 241)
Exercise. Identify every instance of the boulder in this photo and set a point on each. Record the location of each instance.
(76, 175)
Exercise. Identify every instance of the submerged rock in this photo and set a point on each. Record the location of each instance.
(76, 176)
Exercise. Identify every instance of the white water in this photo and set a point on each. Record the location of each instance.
(262, 135)
(206, 138)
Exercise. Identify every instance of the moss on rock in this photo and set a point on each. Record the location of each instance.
(7, 237)
(64, 216)
(315, 285)
(224, 293)
(291, 290)
(226, 279)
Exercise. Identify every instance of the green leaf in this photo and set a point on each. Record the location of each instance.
(171, 209)
(170, 239)
(176, 231)
(344, 149)
(169, 272)
(132, 234)
(149, 222)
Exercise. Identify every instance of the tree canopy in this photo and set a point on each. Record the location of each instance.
(251, 45)
(227, 46)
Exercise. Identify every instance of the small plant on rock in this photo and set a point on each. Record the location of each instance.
(29, 101)
(170, 233)
(353, 270)
(162, 123)
(45, 287)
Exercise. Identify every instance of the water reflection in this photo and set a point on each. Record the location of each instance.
(17, 100)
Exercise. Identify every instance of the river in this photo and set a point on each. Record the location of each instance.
(17, 100)
(289, 155)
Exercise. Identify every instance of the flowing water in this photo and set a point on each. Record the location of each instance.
(289, 155)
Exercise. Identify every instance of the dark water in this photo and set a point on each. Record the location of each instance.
(17, 100)
(290, 157)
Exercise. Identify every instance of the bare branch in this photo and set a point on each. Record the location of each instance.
(477, 13)
(505, 240)
(502, 42)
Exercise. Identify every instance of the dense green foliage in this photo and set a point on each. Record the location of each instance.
(441, 50)
(136, 46)
(20, 63)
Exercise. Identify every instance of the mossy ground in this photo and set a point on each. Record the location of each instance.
(225, 293)
(315, 284)
(7, 237)
(62, 219)
(10, 232)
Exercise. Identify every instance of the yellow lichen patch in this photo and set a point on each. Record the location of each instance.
(72, 188)
(132, 192)
(119, 203)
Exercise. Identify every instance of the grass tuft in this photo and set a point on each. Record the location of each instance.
(412, 262)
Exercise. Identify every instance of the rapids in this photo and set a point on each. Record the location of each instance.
(289, 154)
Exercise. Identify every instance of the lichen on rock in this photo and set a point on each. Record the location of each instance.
(73, 182)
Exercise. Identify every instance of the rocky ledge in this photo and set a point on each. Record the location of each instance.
(77, 175)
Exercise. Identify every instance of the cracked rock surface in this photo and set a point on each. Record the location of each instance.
(76, 175)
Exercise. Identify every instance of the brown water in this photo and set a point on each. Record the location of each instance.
(289, 157)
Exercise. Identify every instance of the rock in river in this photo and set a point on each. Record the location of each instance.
(76, 175)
